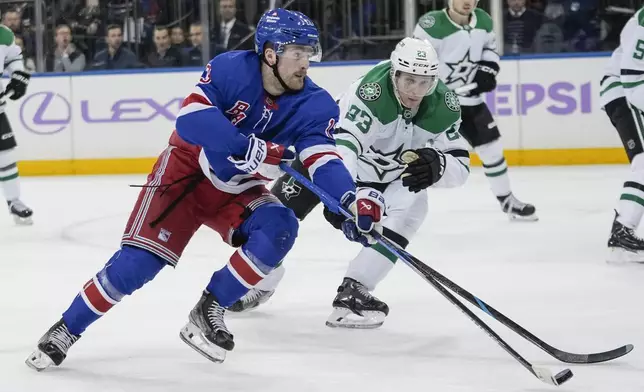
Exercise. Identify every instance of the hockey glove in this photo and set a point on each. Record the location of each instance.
(336, 220)
(485, 77)
(367, 206)
(18, 84)
(263, 158)
(425, 167)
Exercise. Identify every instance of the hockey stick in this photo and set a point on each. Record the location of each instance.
(417, 266)
(5, 94)
(561, 355)
(465, 88)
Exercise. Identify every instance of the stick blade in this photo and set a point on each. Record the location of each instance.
(593, 358)
(546, 376)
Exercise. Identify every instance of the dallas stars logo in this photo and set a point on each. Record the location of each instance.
(370, 91)
(384, 162)
(290, 189)
(460, 70)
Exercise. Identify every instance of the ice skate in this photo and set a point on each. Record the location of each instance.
(21, 214)
(517, 210)
(206, 331)
(624, 246)
(355, 307)
(52, 347)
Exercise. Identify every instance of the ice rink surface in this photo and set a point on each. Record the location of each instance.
(548, 276)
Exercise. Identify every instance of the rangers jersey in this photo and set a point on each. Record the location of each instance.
(229, 103)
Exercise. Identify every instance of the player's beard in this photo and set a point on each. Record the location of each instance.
(295, 82)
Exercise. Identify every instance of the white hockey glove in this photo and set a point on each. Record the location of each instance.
(263, 158)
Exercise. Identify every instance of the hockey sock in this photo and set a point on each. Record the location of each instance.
(495, 167)
(371, 266)
(631, 203)
(234, 280)
(272, 280)
(9, 178)
(128, 270)
(270, 231)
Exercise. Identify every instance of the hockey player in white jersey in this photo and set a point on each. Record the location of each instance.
(622, 96)
(398, 133)
(466, 45)
(11, 57)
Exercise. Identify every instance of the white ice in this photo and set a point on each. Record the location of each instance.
(549, 276)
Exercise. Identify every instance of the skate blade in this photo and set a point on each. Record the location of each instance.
(193, 337)
(23, 221)
(344, 318)
(39, 361)
(521, 218)
(621, 256)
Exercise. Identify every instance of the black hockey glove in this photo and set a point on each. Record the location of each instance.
(425, 167)
(334, 219)
(18, 84)
(485, 77)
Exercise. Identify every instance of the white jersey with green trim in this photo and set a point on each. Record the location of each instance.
(459, 48)
(611, 84)
(374, 130)
(632, 60)
(10, 53)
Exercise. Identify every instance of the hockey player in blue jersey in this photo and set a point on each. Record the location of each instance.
(231, 133)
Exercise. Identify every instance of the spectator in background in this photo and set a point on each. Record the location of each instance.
(550, 37)
(231, 31)
(66, 57)
(538, 5)
(193, 57)
(116, 56)
(164, 55)
(13, 20)
(581, 27)
(520, 26)
(177, 38)
(30, 64)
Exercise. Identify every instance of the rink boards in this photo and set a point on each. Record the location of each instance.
(548, 111)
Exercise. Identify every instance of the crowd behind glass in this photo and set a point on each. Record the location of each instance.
(86, 35)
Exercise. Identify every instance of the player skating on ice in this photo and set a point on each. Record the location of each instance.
(462, 36)
(464, 39)
(232, 132)
(11, 56)
(398, 132)
(622, 96)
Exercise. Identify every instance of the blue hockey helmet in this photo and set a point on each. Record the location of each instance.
(283, 27)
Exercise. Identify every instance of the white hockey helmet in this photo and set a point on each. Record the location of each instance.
(417, 58)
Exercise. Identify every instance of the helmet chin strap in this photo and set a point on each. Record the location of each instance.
(277, 74)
